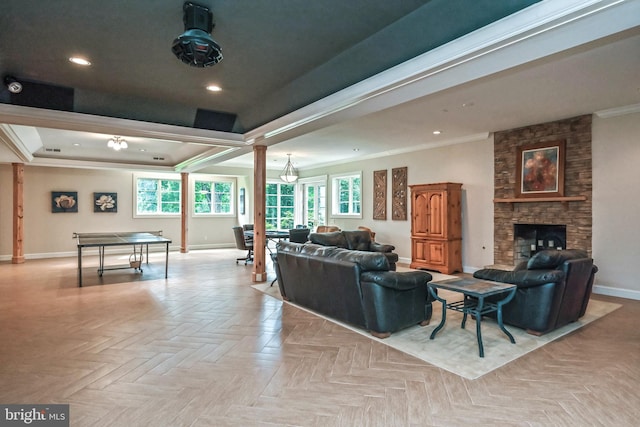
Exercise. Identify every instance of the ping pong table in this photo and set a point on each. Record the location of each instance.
(138, 240)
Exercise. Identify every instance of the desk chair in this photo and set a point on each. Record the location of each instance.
(243, 244)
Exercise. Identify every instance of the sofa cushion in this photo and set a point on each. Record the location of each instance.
(550, 259)
(367, 261)
(334, 238)
(358, 240)
(522, 278)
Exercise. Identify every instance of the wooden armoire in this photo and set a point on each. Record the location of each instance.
(436, 227)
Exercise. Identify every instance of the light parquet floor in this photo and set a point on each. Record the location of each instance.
(202, 348)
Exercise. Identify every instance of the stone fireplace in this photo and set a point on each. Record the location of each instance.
(575, 216)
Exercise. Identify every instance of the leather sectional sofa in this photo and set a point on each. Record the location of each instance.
(554, 288)
(357, 240)
(353, 286)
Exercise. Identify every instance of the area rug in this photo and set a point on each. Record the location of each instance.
(455, 349)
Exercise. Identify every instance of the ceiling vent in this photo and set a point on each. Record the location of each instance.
(195, 46)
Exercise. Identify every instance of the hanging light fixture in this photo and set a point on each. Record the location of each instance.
(289, 173)
(117, 143)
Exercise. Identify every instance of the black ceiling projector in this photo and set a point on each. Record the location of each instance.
(195, 46)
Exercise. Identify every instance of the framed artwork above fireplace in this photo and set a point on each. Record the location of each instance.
(540, 170)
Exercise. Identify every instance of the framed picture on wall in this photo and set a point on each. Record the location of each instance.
(105, 202)
(242, 201)
(540, 170)
(64, 201)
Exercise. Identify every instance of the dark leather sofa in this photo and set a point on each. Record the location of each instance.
(554, 287)
(358, 240)
(353, 286)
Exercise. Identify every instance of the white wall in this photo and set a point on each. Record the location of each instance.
(470, 164)
(50, 234)
(616, 204)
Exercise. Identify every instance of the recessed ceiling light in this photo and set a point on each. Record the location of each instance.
(76, 144)
(214, 88)
(79, 61)
(437, 132)
(356, 149)
(142, 149)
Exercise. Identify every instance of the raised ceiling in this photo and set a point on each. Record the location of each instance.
(286, 65)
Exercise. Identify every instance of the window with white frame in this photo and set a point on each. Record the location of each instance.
(346, 195)
(280, 206)
(313, 208)
(157, 196)
(213, 197)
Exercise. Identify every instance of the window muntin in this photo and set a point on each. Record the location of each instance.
(212, 197)
(347, 195)
(280, 206)
(158, 196)
(314, 209)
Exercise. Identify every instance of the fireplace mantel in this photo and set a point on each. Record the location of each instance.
(542, 199)
(564, 200)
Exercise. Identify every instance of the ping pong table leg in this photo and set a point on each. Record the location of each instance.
(101, 260)
(141, 249)
(166, 262)
(79, 266)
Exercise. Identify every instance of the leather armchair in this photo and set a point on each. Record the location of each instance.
(554, 288)
(357, 240)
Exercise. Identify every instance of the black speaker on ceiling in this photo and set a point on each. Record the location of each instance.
(42, 95)
(214, 120)
(195, 46)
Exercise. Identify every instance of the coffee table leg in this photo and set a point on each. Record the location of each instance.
(478, 310)
(444, 312)
(499, 314)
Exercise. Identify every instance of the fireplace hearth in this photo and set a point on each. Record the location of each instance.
(528, 239)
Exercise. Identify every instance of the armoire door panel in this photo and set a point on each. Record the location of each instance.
(436, 215)
(420, 215)
(437, 253)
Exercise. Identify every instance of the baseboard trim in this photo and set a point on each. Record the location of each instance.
(94, 252)
(616, 292)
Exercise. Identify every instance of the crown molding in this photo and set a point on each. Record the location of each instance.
(14, 143)
(38, 117)
(618, 111)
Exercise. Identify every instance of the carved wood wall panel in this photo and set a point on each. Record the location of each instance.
(399, 193)
(380, 194)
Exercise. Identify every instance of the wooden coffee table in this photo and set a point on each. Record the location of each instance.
(475, 291)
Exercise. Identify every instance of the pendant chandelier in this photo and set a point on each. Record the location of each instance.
(117, 143)
(289, 173)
